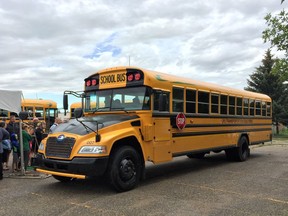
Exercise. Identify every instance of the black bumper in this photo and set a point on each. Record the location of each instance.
(90, 167)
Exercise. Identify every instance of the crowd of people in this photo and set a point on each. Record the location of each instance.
(32, 135)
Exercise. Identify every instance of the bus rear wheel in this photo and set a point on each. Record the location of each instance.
(125, 169)
(239, 153)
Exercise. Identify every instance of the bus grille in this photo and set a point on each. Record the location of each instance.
(63, 148)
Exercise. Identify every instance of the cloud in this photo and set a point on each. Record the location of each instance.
(51, 46)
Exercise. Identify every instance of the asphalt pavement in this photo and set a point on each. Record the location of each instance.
(210, 186)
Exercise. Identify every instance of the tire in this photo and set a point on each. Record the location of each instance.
(62, 178)
(197, 155)
(241, 152)
(125, 169)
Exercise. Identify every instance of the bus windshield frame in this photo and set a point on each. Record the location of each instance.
(126, 99)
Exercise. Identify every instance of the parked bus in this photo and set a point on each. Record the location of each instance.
(76, 105)
(142, 115)
(44, 110)
(73, 106)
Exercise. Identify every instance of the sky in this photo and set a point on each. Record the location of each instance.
(49, 46)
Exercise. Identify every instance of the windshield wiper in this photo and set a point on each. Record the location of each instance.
(101, 108)
(85, 126)
(98, 137)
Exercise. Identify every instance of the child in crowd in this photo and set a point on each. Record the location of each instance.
(26, 136)
(16, 152)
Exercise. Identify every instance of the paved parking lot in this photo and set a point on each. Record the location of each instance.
(212, 186)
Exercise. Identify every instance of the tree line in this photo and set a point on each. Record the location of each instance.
(271, 77)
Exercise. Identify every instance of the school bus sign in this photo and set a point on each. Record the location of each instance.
(181, 121)
(110, 80)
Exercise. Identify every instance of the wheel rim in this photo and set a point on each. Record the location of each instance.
(127, 169)
(244, 151)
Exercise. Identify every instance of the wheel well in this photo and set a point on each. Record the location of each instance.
(246, 136)
(128, 141)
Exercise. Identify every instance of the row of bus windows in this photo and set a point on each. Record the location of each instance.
(32, 111)
(219, 104)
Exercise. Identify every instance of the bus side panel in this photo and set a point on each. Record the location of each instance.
(162, 140)
(204, 142)
(259, 137)
(162, 152)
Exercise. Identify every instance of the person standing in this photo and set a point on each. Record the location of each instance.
(4, 135)
(16, 153)
(26, 145)
(40, 130)
(13, 128)
(56, 123)
(1, 153)
(6, 145)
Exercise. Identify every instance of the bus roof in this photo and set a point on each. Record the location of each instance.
(39, 102)
(76, 105)
(164, 79)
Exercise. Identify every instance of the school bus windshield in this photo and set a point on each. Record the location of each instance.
(135, 98)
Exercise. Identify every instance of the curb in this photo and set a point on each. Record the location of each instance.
(28, 176)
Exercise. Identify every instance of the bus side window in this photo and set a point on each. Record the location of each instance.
(214, 103)
(3, 113)
(264, 108)
(203, 102)
(231, 105)
(178, 100)
(190, 101)
(252, 107)
(268, 109)
(246, 106)
(258, 108)
(223, 102)
(239, 106)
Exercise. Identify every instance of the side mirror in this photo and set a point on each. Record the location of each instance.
(65, 102)
(78, 113)
(23, 115)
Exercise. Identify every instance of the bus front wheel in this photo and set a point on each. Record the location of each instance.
(125, 168)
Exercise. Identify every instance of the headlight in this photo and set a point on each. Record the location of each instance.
(41, 147)
(92, 150)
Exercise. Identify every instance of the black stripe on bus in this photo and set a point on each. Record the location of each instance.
(173, 115)
(203, 133)
(221, 125)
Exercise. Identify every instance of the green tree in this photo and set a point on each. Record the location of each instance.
(277, 34)
(263, 80)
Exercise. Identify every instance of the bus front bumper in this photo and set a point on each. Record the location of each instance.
(77, 167)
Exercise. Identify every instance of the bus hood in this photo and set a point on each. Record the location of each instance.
(74, 126)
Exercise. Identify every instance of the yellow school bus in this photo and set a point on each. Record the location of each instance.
(76, 105)
(73, 106)
(44, 110)
(142, 115)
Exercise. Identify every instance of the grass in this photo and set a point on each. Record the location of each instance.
(282, 134)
